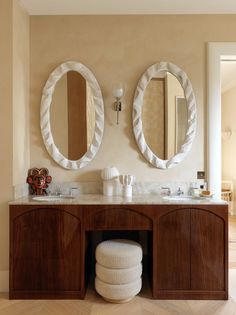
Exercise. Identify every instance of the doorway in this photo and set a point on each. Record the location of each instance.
(228, 130)
(216, 53)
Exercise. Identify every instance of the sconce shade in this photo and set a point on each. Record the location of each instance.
(118, 90)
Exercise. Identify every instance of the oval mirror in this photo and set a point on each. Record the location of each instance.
(164, 115)
(72, 115)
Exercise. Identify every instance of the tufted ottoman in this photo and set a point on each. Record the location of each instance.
(118, 270)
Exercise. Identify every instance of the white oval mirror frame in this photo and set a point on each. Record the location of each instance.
(45, 115)
(151, 72)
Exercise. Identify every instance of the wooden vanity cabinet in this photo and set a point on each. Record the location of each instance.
(46, 250)
(191, 253)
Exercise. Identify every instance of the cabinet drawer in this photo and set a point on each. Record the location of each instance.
(117, 219)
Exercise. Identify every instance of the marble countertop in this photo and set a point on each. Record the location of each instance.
(92, 199)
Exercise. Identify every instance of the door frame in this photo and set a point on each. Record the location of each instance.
(215, 53)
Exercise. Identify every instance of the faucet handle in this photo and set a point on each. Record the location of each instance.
(73, 191)
(180, 191)
(166, 190)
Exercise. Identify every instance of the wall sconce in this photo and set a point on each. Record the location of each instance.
(118, 92)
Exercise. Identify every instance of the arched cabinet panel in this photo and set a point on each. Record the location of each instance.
(207, 251)
(46, 252)
(173, 251)
(190, 253)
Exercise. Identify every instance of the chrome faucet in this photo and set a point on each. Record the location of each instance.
(179, 192)
(167, 190)
(73, 191)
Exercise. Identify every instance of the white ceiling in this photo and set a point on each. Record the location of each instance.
(73, 7)
(228, 75)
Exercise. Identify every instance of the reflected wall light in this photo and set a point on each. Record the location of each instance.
(118, 92)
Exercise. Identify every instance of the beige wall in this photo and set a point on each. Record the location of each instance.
(14, 90)
(228, 141)
(20, 94)
(6, 131)
(120, 48)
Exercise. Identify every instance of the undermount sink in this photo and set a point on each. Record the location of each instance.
(177, 198)
(52, 198)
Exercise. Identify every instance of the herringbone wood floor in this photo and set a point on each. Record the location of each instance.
(94, 305)
(232, 242)
(140, 305)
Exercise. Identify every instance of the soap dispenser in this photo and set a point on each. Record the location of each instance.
(194, 190)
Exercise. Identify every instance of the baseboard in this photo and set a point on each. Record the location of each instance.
(4, 280)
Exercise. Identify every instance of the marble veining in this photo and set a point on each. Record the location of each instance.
(95, 187)
(93, 199)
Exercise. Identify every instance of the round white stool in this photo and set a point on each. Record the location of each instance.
(118, 276)
(119, 253)
(118, 293)
(118, 270)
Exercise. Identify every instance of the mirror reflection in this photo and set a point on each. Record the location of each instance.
(72, 115)
(164, 115)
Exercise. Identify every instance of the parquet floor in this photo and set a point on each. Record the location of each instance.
(94, 305)
(232, 242)
(140, 305)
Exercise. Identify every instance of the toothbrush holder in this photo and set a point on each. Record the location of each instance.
(127, 181)
(127, 190)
